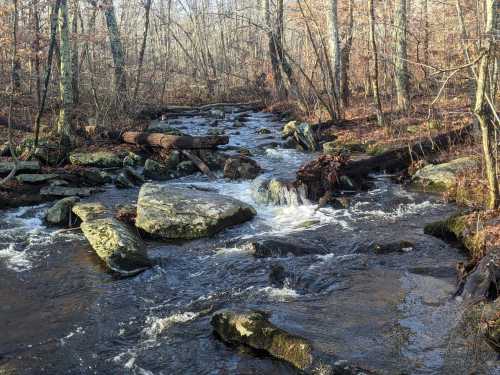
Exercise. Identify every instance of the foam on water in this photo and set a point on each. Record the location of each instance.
(155, 325)
(283, 294)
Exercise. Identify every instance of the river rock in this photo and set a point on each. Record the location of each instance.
(278, 192)
(117, 245)
(444, 176)
(264, 131)
(35, 178)
(132, 160)
(157, 171)
(22, 167)
(241, 167)
(213, 159)
(392, 247)
(187, 167)
(303, 134)
(133, 176)
(99, 159)
(94, 176)
(170, 213)
(59, 213)
(253, 329)
(90, 211)
(65, 191)
(280, 247)
(122, 182)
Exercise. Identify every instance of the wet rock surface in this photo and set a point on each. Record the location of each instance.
(444, 176)
(174, 213)
(59, 213)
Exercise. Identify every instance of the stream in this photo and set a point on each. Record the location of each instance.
(62, 313)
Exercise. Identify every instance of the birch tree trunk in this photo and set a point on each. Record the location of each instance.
(401, 56)
(374, 69)
(346, 58)
(116, 50)
(65, 80)
(482, 109)
(75, 78)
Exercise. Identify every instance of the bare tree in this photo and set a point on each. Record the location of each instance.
(401, 56)
(482, 109)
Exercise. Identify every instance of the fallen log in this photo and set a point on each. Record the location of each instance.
(200, 164)
(326, 174)
(171, 141)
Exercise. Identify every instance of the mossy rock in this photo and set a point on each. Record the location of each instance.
(458, 227)
(99, 159)
(90, 211)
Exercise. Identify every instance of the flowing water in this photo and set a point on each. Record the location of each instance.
(62, 313)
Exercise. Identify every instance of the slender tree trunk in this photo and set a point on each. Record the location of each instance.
(374, 70)
(482, 110)
(75, 79)
(346, 58)
(273, 53)
(117, 51)
(64, 127)
(147, 8)
(52, 46)
(36, 49)
(335, 51)
(401, 56)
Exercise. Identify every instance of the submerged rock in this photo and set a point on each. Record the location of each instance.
(241, 167)
(118, 246)
(22, 167)
(280, 247)
(254, 330)
(59, 213)
(175, 213)
(444, 176)
(90, 211)
(392, 247)
(99, 159)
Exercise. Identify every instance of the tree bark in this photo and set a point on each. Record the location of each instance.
(482, 110)
(273, 53)
(147, 8)
(374, 70)
(335, 51)
(64, 125)
(401, 56)
(116, 51)
(172, 141)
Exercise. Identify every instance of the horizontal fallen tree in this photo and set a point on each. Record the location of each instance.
(184, 142)
(323, 176)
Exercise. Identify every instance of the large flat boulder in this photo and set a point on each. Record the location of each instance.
(177, 213)
(444, 176)
(99, 159)
(254, 330)
(117, 245)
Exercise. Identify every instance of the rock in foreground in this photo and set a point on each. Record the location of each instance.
(175, 213)
(253, 329)
(59, 213)
(120, 248)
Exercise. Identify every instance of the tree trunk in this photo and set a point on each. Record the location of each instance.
(172, 141)
(345, 91)
(65, 80)
(273, 53)
(482, 110)
(335, 51)
(75, 79)
(147, 8)
(374, 69)
(117, 51)
(401, 56)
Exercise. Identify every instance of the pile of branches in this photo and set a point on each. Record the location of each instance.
(322, 175)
